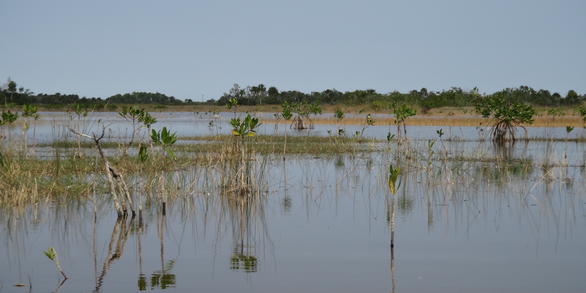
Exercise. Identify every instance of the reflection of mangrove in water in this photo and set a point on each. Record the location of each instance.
(447, 192)
(162, 278)
(123, 227)
(247, 220)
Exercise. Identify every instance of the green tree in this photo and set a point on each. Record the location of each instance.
(507, 112)
(273, 92)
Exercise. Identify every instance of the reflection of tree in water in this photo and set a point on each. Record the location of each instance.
(115, 248)
(246, 263)
(162, 278)
(246, 215)
(287, 204)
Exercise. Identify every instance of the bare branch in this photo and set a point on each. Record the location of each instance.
(79, 133)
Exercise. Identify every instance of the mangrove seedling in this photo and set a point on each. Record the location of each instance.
(554, 113)
(569, 129)
(136, 116)
(303, 111)
(369, 122)
(287, 110)
(440, 132)
(79, 110)
(393, 177)
(507, 114)
(8, 118)
(582, 112)
(287, 114)
(164, 138)
(143, 153)
(390, 137)
(28, 112)
(51, 253)
(232, 103)
(401, 113)
(339, 114)
(246, 127)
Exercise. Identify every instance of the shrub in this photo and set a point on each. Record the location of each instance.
(508, 114)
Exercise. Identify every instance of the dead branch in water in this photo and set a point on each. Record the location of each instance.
(118, 187)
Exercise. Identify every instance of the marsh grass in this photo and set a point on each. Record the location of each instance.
(222, 164)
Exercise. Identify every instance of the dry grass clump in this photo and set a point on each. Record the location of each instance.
(447, 120)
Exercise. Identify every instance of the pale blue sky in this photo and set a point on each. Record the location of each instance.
(191, 49)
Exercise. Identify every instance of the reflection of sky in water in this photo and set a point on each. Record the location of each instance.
(53, 125)
(325, 229)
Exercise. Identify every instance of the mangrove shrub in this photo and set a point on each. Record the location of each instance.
(507, 112)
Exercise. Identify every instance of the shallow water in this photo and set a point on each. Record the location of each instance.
(54, 126)
(324, 225)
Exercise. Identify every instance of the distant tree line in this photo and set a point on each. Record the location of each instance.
(11, 93)
(453, 97)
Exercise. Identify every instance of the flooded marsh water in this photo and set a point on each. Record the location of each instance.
(467, 216)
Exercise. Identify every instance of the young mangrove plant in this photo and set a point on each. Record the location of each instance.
(232, 103)
(555, 113)
(246, 127)
(303, 112)
(7, 118)
(392, 179)
(402, 112)
(339, 115)
(240, 165)
(138, 118)
(582, 111)
(507, 114)
(287, 114)
(165, 138)
(143, 153)
(369, 122)
(28, 112)
(51, 253)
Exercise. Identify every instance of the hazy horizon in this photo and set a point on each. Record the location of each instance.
(195, 50)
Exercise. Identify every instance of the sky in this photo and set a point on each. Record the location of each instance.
(198, 49)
